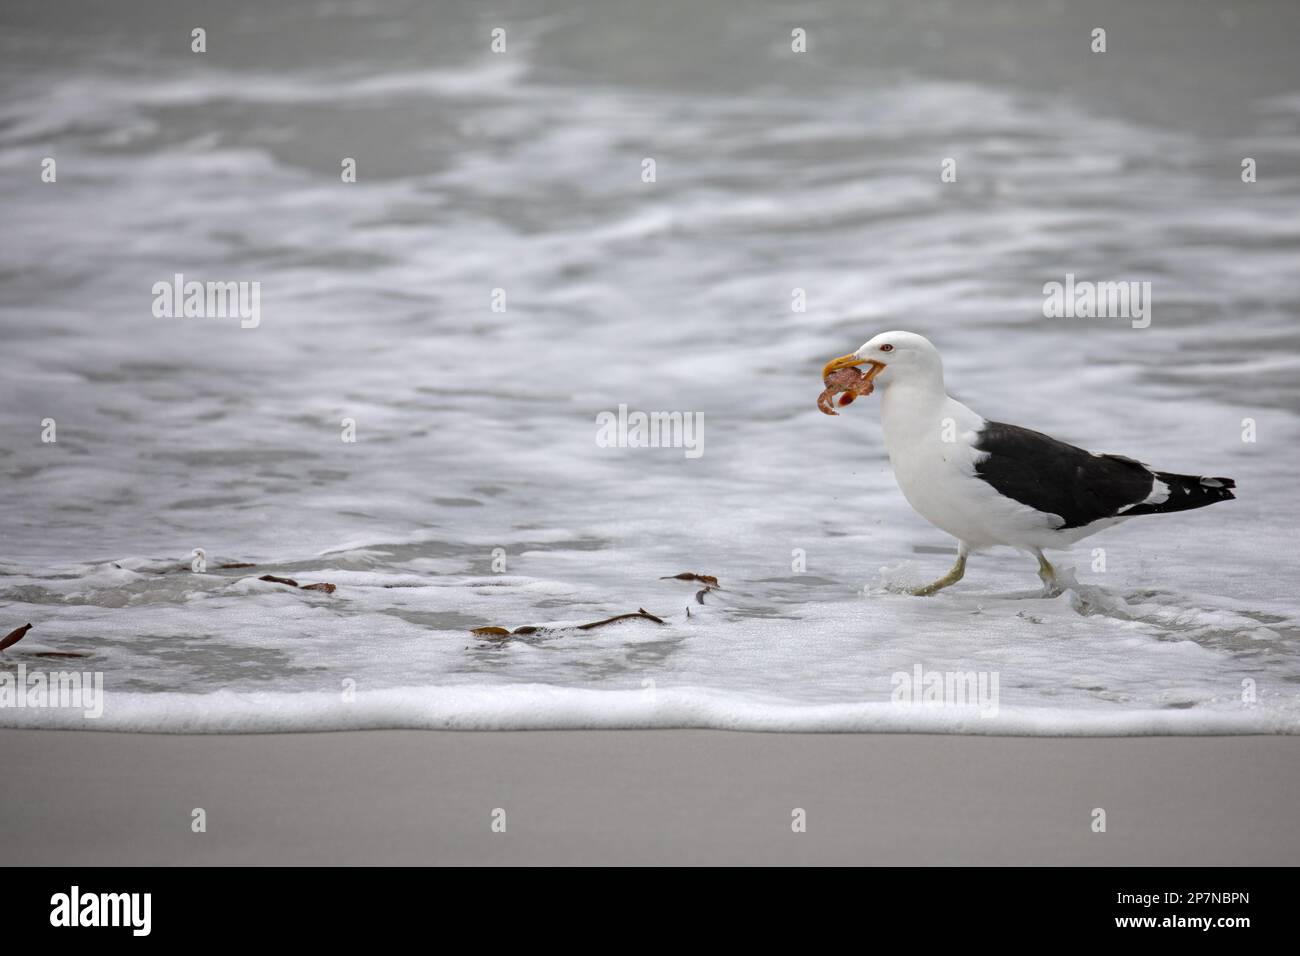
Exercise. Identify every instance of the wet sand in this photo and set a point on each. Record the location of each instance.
(645, 797)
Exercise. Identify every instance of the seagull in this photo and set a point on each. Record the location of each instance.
(987, 483)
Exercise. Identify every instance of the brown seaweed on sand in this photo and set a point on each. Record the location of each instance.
(274, 580)
(327, 588)
(640, 612)
(708, 580)
(501, 633)
(14, 636)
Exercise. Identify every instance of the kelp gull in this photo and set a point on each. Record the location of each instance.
(987, 483)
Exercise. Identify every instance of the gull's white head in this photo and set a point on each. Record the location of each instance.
(893, 357)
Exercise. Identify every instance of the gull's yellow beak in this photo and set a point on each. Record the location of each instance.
(851, 361)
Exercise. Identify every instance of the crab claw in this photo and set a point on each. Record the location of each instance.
(824, 403)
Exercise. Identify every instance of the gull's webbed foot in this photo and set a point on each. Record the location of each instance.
(1051, 586)
(952, 577)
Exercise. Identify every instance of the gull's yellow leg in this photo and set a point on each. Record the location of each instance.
(1048, 574)
(952, 577)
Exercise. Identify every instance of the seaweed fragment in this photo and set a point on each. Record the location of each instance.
(14, 636)
(500, 633)
(709, 581)
(326, 588)
(706, 579)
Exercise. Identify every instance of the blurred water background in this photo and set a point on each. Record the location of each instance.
(475, 429)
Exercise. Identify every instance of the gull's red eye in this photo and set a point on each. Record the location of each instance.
(886, 348)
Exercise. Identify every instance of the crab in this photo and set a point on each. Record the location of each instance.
(848, 382)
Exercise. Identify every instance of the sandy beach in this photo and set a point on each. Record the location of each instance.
(649, 797)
